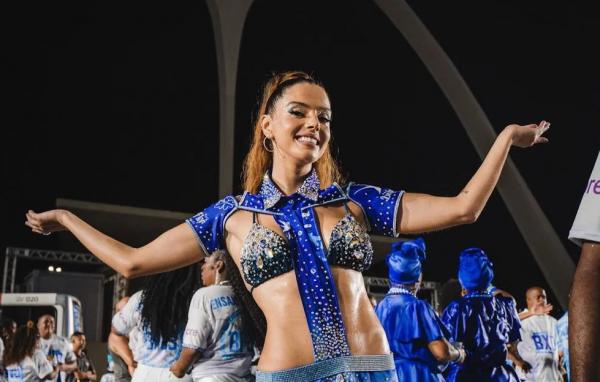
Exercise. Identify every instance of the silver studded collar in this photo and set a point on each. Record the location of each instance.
(271, 194)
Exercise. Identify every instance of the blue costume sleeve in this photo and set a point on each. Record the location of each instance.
(420, 322)
(209, 224)
(449, 318)
(379, 205)
(514, 333)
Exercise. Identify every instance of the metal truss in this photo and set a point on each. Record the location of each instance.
(12, 254)
(119, 289)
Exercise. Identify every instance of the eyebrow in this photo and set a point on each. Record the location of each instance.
(308, 106)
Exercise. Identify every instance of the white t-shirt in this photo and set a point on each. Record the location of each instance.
(30, 369)
(215, 329)
(538, 348)
(587, 222)
(57, 350)
(128, 322)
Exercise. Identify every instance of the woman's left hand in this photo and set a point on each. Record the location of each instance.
(528, 135)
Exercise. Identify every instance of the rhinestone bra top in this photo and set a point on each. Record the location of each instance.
(265, 254)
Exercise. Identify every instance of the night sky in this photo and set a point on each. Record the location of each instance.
(117, 102)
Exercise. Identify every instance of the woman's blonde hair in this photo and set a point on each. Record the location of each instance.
(258, 160)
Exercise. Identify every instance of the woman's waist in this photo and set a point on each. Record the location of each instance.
(329, 367)
(288, 346)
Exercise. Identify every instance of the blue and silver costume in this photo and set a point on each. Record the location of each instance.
(484, 324)
(265, 255)
(410, 324)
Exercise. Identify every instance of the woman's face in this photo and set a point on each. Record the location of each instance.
(299, 124)
(209, 269)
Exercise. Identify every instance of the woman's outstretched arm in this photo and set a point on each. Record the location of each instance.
(174, 249)
(422, 212)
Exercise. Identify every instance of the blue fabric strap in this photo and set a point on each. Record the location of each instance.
(314, 278)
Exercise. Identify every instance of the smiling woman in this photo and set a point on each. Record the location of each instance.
(299, 238)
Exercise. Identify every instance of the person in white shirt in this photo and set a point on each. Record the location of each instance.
(216, 339)
(584, 306)
(538, 341)
(153, 320)
(56, 348)
(120, 367)
(24, 360)
(7, 330)
(109, 376)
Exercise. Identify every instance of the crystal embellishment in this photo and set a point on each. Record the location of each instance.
(350, 245)
(264, 255)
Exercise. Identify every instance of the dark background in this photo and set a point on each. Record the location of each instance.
(117, 102)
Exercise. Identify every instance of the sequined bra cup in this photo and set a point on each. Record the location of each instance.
(265, 254)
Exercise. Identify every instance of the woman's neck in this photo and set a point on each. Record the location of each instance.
(289, 176)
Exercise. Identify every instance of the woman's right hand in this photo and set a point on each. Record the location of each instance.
(46, 222)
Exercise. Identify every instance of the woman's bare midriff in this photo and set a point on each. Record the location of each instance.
(288, 343)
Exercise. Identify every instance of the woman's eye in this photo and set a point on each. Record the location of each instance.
(297, 113)
(324, 119)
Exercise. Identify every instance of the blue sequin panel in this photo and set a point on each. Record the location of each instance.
(379, 205)
(209, 224)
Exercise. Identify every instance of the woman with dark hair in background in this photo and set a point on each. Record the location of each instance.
(24, 361)
(216, 339)
(147, 333)
(486, 325)
(417, 336)
(7, 330)
(300, 239)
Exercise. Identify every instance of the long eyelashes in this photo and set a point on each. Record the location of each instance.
(299, 114)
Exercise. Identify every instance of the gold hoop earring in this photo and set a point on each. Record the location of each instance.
(266, 146)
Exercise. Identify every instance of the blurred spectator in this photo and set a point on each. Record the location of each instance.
(110, 375)
(24, 360)
(486, 325)
(56, 348)
(119, 366)
(8, 329)
(538, 346)
(562, 343)
(85, 369)
(147, 333)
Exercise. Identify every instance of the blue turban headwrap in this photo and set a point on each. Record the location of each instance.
(475, 270)
(404, 261)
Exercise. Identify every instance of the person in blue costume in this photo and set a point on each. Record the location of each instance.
(416, 335)
(486, 325)
(300, 236)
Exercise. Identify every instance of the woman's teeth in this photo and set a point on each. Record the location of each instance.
(308, 140)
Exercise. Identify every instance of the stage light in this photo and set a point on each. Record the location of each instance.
(58, 269)
(51, 268)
